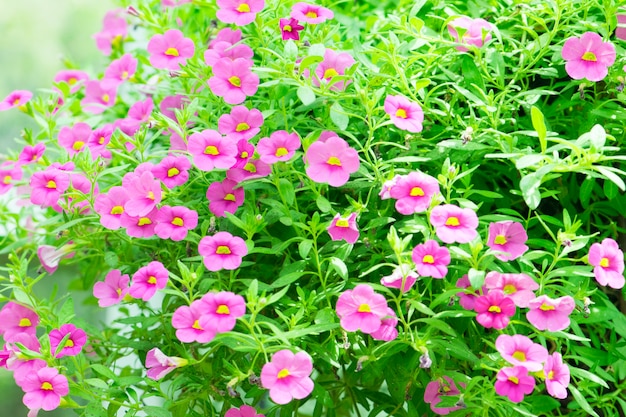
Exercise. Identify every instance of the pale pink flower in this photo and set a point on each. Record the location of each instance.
(475, 31)
(174, 222)
(112, 290)
(243, 411)
(141, 110)
(17, 98)
(290, 29)
(226, 35)
(454, 224)
(334, 64)
(30, 154)
(18, 362)
(221, 310)
(588, 57)
(438, 388)
(287, 376)
(147, 280)
(174, 3)
(241, 123)
(519, 350)
(239, 12)
(110, 207)
(557, 376)
(172, 170)
(608, 262)
(221, 50)
(233, 80)
(144, 192)
(47, 187)
(344, 228)
(74, 138)
(98, 141)
(518, 287)
(414, 192)
(401, 274)
(211, 150)
(114, 30)
(170, 50)
(170, 104)
(311, 13)
(99, 95)
(159, 364)
(361, 309)
(509, 238)
(222, 251)
(514, 383)
(224, 197)
(16, 319)
(387, 330)
(9, 174)
(331, 161)
(550, 314)
(494, 309)
(50, 256)
(620, 31)
(44, 389)
(279, 146)
(121, 69)
(72, 345)
(74, 78)
(431, 259)
(253, 168)
(186, 321)
(404, 113)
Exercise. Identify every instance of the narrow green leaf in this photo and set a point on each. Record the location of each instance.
(529, 185)
(104, 371)
(323, 204)
(582, 401)
(340, 267)
(152, 411)
(306, 95)
(339, 116)
(539, 125)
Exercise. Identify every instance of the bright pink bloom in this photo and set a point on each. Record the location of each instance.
(16, 98)
(99, 95)
(211, 150)
(226, 35)
(404, 113)
(431, 259)
(50, 256)
(514, 383)
(454, 224)
(9, 173)
(172, 170)
(494, 310)
(287, 376)
(44, 389)
(170, 50)
(344, 228)
(221, 310)
(74, 78)
(387, 330)
(311, 13)
(159, 364)
(170, 104)
(16, 319)
(47, 187)
(467, 297)
(112, 290)
(114, 29)
(139, 226)
(361, 309)
(147, 280)
(438, 388)
(222, 251)
(186, 321)
(110, 207)
(239, 12)
(74, 343)
(233, 80)
(241, 123)
(290, 29)
(509, 238)
(550, 314)
(557, 376)
(224, 197)
(75, 138)
(221, 50)
(588, 57)
(144, 194)
(141, 110)
(331, 161)
(31, 154)
(98, 141)
(17, 361)
(334, 64)
(608, 261)
(402, 273)
(121, 69)
(280, 146)
(414, 192)
(518, 287)
(174, 222)
(475, 31)
(253, 168)
(519, 350)
(243, 411)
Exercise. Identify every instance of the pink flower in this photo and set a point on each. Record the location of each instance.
(518, 287)
(331, 161)
(174, 222)
(170, 50)
(557, 376)
(311, 13)
(121, 69)
(221, 310)
(144, 193)
(608, 262)
(404, 113)
(31, 154)
(186, 321)
(514, 383)
(9, 173)
(211, 150)
(253, 168)
(114, 30)
(519, 350)
(475, 31)
(170, 104)
(112, 290)
(414, 192)
(74, 139)
(280, 146)
(438, 388)
(50, 256)
(110, 207)
(222, 251)
(344, 228)
(385, 191)
(221, 50)
(401, 274)
(290, 29)
(494, 310)
(16, 98)
(245, 152)
(99, 95)
(73, 78)
(18, 361)
(44, 389)
(239, 12)
(98, 141)
(226, 35)
(550, 314)
(47, 187)
(287, 376)
(431, 259)
(172, 170)
(467, 297)
(174, 3)
(141, 110)
(243, 411)
(73, 344)
(139, 226)
(16, 319)
(159, 364)
(509, 238)
(224, 197)
(334, 64)
(241, 123)
(147, 280)
(620, 31)
(454, 224)
(588, 57)
(361, 309)
(387, 330)
(233, 80)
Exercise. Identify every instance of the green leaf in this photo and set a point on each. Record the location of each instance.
(97, 382)
(476, 278)
(529, 185)
(104, 371)
(597, 137)
(539, 125)
(306, 95)
(152, 411)
(339, 116)
(286, 190)
(581, 400)
(305, 247)
(340, 267)
(586, 375)
(323, 204)
(608, 173)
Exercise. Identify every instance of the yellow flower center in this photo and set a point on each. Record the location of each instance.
(211, 150)
(118, 291)
(229, 197)
(222, 309)
(283, 373)
(16, 102)
(235, 81)
(124, 75)
(364, 308)
(196, 325)
(546, 307)
(281, 152)
(514, 379)
(500, 240)
(342, 223)
(51, 184)
(550, 375)
(78, 145)
(330, 73)
(223, 250)
(509, 289)
(520, 356)
(243, 8)
(333, 160)
(401, 113)
(144, 221)
(171, 51)
(446, 389)
(106, 98)
(452, 221)
(25, 322)
(172, 172)
(7, 179)
(72, 81)
(117, 210)
(250, 167)
(589, 56)
(287, 28)
(604, 262)
(46, 386)
(152, 280)
(416, 192)
(243, 155)
(428, 259)
(101, 140)
(178, 222)
(150, 195)
(242, 126)
(311, 14)
(69, 343)
(494, 309)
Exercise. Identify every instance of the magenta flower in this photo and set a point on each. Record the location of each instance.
(19, 362)
(186, 321)
(385, 191)
(467, 297)
(344, 228)
(114, 29)
(121, 69)
(172, 170)
(333, 64)
(438, 388)
(50, 256)
(254, 168)
(147, 280)
(44, 389)
(139, 226)
(144, 193)
(588, 57)
(608, 262)
(99, 95)
(454, 224)
(141, 110)
(331, 161)
(31, 154)
(557, 376)
(414, 192)
(17, 98)
(211, 150)
(290, 29)
(221, 310)
(73, 78)
(9, 173)
(241, 123)
(159, 364)
(239, 12)
(494, 309)
(170, 50)
(243, 411)
(224, 197)
(47, 187)
(361, 309)
(73, 344)
(226, 35)
(110, 207)
(98, 141)
(16, 319)
(475, 31)
(404, 113)
(509, 238)
(518, 287)
(311, 13)
(245, 152)
(221, 50)
(75, 138)
(387, 330)
(401, 274)
(514, 383)
(287, 376)
(431, 259)
(550, 314)
(280, 146)
(222, 251)
(113, 289)
(233, 80)
(519, 350)
(174, 222)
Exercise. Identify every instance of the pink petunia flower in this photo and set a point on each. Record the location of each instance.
(287, 376)
(221, 310)
(245, 152)
(50, 256)
(9, 173)
(608, 262)
(239, 12)
(186, 321)
(404, 113)
(147, 280)
(222, 251)
(290, 29)
(144, 193)
(211, 150)
(47, 187)
(331, 161)
(401, 274)
(253, 168)
(494, 310)
(17, 98)
(550, 314)
(233, 80)
(279, 146)
(16, 319)
(588, 57)
(170, 50)
(243, 411)
(141, 110)
(385, 191)
(467, 297)
(514, 383)
(99, 95)
(139, 226)
(73, 344)
(172, 170)
(361, 309)
(414, 192)
(387, 330)
(518, 287)
(74, 138)
(454, 224)
(241, 123)
(114, 30)
(519, 350)
(344, 228)
(174, 222)
(557, 376)
(438, 388)
(311, 13)
(509, 238)
(334, 64)
(431, 259)
(121, 69)
(31, 154)
(113, 290)
(44, 389)
(620, 31)
(159, 364)
(19, 362)
(74, 78)
(224, 197)
(221, 50)
(110, 206)
(226, 35)
(475, 31)
(98, 141)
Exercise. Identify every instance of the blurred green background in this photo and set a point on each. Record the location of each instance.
(37, 36)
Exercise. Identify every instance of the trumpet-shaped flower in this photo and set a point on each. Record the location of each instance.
(243, 411)
(74, 138)
(50, 256)
(518, 287)
(144, 192)
(387, 330)
(221, 310)
(147, 280)
(403, 277)
(494, 309)
(514, 383)
(331, 161)
(121, 69)
(241, 123)
(253, 168)
(222, 251)
(159, 364)
(404, 113)
(454, 224)
(557, 376)
(170, 50)
(9, 173)
(239, 12)
(30, 154)
(233, 80)
(140, 226)
(361, 309)
(475, 31)
(509, 238)
(221, 50)
(287, 376)
(99, 95)
(186, 321)
(114, 30)
(98, 141)
(47, 186)
(431, 259)
(290, 29)
(224, 197)
(113, 289)
(588, 57)
(74, 78)
(550, 314)
(16, 319)
(174, 222)
(519, 350)
(466, 299)
(44, 389)
(17, 98)
(311, 13)
(438, 388)
(344, 228)
(414, 192)
(211, 150)
(334, 64)
(608, 262)
(76, 339)
(279, 146)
